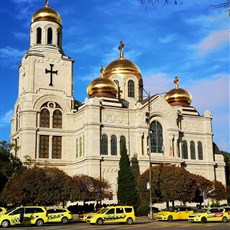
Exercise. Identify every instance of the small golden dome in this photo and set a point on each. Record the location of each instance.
(122, 66)
(178, 96)
(46, 14)
(102, 87)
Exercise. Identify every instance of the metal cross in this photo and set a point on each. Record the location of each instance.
(51, 73)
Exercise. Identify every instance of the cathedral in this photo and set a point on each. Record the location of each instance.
(53, 129)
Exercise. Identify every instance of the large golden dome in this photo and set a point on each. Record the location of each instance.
(102, 87)
(46, 14)
(178, 96)
(122, 66)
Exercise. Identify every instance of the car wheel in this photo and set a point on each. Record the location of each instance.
(129, 221)
(203, 220)
(170, 218)
(224, 219)
(99, 221)
(5, 223)
(39, 222)
(64, 220)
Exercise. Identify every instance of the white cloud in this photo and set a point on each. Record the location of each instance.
(212, 42)
(167, 38)
(211, 93)
(9, 52)
(11, 56)
(5, 119)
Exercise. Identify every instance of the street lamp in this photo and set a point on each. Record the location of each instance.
(149, 153)
(101, 159)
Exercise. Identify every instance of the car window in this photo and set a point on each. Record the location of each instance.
(213, 210)
(10, 210)
(29, 210)
(119, 210)
(17, 211)
(56, 210)
(128, 210)
(111, 211)
(37, 210)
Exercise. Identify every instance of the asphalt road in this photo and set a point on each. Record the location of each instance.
(141, 223)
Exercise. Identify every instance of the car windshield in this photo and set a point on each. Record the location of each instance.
(101, 210)
(169, 209)
(9, 210)
(201, 210)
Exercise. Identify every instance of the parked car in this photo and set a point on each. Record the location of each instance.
(2, 210)
(174, 213)
(83, 216)
(24, 215)
(113, 214)
(211, 214)
(62, 215)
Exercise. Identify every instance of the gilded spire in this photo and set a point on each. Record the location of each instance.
(176, 82)
(47, 3)
(102, 70)
(121, 47)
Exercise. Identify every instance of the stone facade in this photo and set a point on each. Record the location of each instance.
(53, 129)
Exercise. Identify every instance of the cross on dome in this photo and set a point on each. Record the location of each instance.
(121, 47)
(102, 70)
(176, 82)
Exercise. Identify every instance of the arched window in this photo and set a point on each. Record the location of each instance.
(39, 35)
(192, 150)
(131, 88)
(122, 143)
(50, 36)
(44, 146)
(184, 150)
(113, 145)
(17, 119)
(80, 152)
(45, 118)
(142, 144)
(57, 119)
(156, 137)
(56, 147)
(104, 144)
(200, 151)
(59, 39)
(77, 148)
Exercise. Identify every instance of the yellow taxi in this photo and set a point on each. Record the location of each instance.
(24, 215)
(210, 215)
(62, 215)
(2, 210)
(83, 216)
(174, 213)
(112, 214)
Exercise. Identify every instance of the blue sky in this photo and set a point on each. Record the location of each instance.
(189, 39)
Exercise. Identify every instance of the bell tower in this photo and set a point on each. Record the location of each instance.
(45, 88)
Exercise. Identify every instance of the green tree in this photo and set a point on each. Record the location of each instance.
(44, 186)
(227, 167)
(86, 188)
(127, 193)
(169, 183)
(8, 163)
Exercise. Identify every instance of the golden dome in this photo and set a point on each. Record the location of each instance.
(46, 14)
(178, 96)
(102, 87)
(122, 66)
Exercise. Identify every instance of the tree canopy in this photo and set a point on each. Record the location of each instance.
(127, 193)
(49, 186)
(8, 163)
(171, 183)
